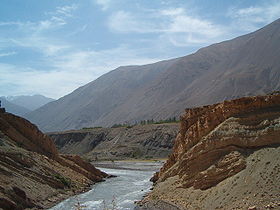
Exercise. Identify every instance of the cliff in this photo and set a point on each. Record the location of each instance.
(225, 156)
(32, 172)
(139, 142)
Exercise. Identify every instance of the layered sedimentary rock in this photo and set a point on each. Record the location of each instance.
(32, 172)
(216, 144)
(140, 142)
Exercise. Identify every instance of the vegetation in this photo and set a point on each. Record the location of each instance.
(168, 120)
(142, 122)
(276, 92)
(147, 122)
(87, 128)
(65, 181)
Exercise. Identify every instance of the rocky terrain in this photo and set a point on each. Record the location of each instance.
(244, 66)
(136, 142)
(32, 173)
(226, 156)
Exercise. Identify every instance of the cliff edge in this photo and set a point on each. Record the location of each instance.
(226, 156)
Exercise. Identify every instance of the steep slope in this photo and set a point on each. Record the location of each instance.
(140, 142)
(13, 108)
(29, 102)
(247, 65)
(32, 173)
(226, 156)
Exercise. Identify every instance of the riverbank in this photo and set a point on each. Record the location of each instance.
(128, 164)
(155, 205)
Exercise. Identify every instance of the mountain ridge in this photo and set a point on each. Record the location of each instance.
(243, 66)
(30, 102)
(13, 108)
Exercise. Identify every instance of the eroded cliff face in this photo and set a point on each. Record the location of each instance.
(216, 142)
(32, 172)
(139, 142)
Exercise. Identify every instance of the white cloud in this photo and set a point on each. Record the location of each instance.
(125, 22)
(46, 46)
(66, 10)
(173, 23)
(7, 54)
(191, 25)
(69, 71)
(250, 18)
(34, 35)
(9, 23)
(105, 4)
(172, 11)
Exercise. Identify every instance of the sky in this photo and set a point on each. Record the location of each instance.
(52, 47)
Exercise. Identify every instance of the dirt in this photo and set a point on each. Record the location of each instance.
(257, 185)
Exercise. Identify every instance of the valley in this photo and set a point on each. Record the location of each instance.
(196, 132)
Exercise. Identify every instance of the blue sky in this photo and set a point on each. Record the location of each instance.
(52, 47)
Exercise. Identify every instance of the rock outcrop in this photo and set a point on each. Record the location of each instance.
(216, 144)
(139, 142)
(32, 172)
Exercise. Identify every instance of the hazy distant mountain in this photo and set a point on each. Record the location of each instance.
(30, 102)
(247, 65)
(13, 108)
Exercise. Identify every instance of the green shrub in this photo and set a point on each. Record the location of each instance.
(65, 181)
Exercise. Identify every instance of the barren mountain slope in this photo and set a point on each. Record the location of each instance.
(247, 65)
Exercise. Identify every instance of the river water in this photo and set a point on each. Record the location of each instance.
(131, 183)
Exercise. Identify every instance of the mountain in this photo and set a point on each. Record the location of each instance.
(29, 102)
(244, 66)
(226, 156)
(33, 175)
(13, 108)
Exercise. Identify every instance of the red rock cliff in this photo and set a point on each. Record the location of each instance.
(209, 147)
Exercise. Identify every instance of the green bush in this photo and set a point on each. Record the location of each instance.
(65, 181)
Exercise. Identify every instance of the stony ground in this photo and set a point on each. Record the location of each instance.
(257, 185)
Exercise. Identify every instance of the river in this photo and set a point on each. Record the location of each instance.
(131, 184)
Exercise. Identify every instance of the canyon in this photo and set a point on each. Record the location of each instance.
(226, 156)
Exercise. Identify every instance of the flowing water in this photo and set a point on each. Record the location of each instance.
(131, 183)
